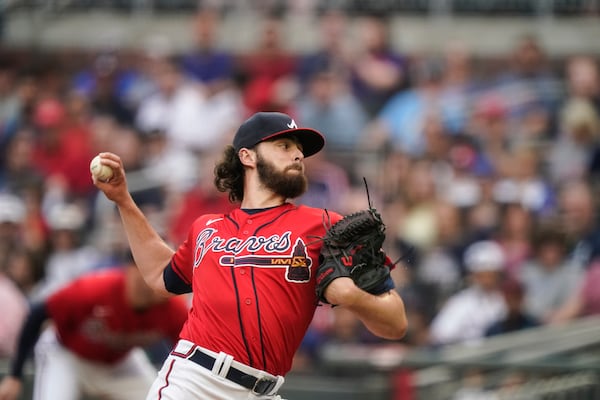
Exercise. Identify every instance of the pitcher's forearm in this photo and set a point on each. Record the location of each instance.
(150, 252)
(384, 315)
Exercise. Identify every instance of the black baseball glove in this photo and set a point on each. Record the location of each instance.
(352, 248)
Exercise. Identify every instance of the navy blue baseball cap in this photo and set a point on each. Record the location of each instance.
(269, 125)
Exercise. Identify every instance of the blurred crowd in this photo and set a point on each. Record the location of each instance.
(484, 168)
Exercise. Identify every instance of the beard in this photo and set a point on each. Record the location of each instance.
(282, 183)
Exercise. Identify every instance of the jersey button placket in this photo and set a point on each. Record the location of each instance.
(249, 222)
(248, 301)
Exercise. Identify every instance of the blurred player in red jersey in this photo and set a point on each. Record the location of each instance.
(252, 270)
(100, 324)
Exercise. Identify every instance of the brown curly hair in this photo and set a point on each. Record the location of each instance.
(229, 175)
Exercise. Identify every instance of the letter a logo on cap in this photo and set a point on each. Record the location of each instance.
(292, 125)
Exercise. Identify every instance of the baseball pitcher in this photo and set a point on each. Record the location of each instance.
(258, 272)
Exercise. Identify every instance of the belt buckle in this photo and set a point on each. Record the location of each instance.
(263, 386)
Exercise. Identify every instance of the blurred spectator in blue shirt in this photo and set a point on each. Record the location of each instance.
(529, 79)
(113, 83)
(577, 208)
(549, 278)
(437, 94)
(17, 101)
(573, 153)
(206, 62)
(460, 87)
(9, 104)
(328, 184)
(332, 48)
(329, 106)
(378, 70)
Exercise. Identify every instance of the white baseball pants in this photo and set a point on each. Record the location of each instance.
(182, 378)
(61, 374)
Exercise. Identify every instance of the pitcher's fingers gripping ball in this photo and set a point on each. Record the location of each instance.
(100, 171)
(352, 247)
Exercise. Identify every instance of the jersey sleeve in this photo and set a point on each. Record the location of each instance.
(178, 274)
(384, 286)
(182, 262)
(174, 282)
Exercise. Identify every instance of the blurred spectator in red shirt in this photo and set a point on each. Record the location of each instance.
(268, 71)
(63, 149)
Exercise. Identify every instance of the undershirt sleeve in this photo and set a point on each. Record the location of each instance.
(28, 337)
(174, 283)
(383, 287)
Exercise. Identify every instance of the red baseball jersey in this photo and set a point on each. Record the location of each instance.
(94, 319)
(253, 279)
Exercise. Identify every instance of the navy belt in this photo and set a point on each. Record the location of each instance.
(260, 386)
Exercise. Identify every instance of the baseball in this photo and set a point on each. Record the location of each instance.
(100, 171)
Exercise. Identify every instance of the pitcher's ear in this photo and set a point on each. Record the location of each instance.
(247, 156)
